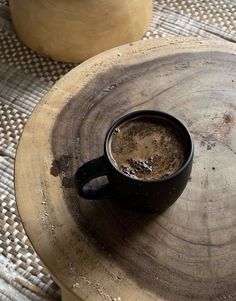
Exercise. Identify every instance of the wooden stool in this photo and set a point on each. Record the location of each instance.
(96, 250)
(74, 30)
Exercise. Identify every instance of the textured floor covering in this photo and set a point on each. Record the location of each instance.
(24, 78)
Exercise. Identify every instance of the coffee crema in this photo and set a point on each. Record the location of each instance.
(147, 148)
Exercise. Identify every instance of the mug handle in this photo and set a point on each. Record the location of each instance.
(89, 171)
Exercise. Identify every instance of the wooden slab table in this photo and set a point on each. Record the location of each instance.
(96, 250)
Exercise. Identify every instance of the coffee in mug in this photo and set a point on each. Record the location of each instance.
(147, 148)
(147, 159)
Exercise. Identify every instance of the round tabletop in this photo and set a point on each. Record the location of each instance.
(96, 249)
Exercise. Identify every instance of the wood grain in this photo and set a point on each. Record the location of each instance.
(96, 249)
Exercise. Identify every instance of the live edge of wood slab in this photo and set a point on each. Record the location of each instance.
(96, 250)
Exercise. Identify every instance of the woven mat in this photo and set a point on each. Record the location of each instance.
(24, 78)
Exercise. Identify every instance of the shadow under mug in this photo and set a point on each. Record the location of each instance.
(142, 195)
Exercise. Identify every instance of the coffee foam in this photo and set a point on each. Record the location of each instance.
(147, 148)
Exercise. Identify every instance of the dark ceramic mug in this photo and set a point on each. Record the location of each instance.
(145, 195)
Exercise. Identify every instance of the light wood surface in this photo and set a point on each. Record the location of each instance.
(99, 251)
(74, 30)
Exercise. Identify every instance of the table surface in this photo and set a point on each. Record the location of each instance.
(24, 78)
(186, 252)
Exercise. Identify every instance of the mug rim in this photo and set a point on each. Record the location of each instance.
(149, 112)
